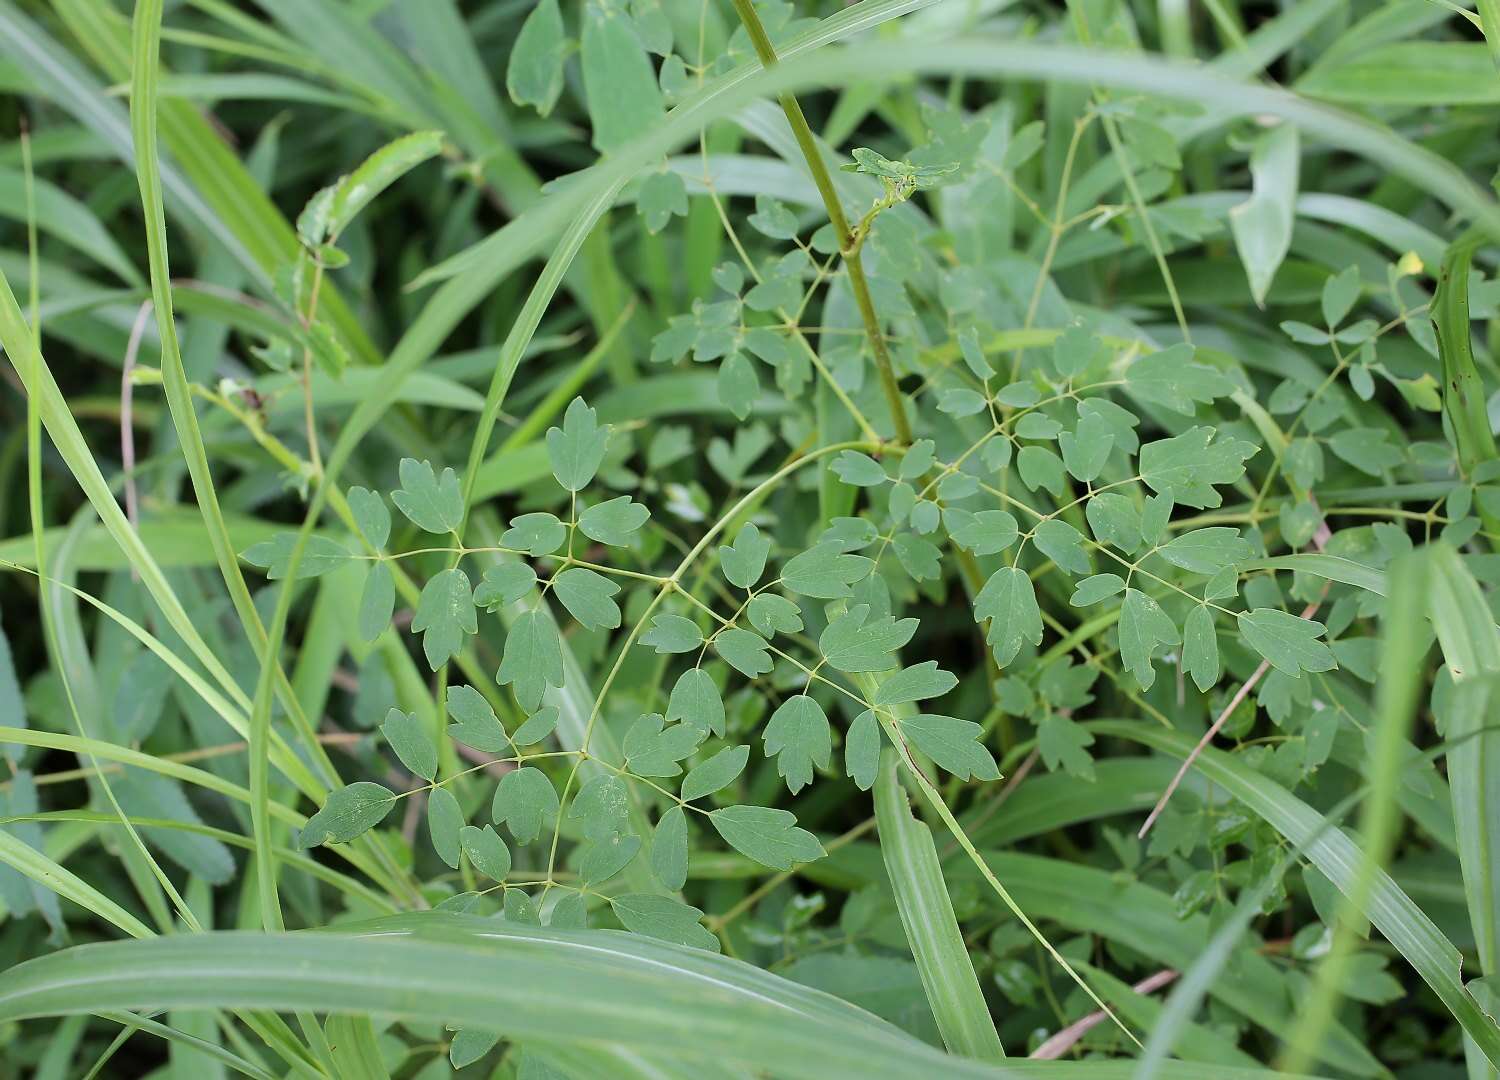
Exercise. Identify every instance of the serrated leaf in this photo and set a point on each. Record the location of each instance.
(1173, 379)
(474, 721)
(669, 849)
(953, 743)
(654, 748)
(743, 650)
(532, 660)
(824, 571)
(524, 800)
(1290, 643)
(799, 738)
(589, 597)
(534, 75)
(576, 450)
(1008, 601)
(409, 739)
(504, 584)
(445, 616)
(915, 683)
(370, 514)
(319, 556)
(444, 820)
(663, 918)
(767, 835)
(432, 503)
(486, 851)
(696, 701)
(744, 561)
(854, 642)
(1200, 648)
(1062, 741)
(349, 812)
(1188, 465)
(615, 521)
(672, 634)
(1144, 627)
(715, 773)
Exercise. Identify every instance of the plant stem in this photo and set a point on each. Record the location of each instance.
(807, 142)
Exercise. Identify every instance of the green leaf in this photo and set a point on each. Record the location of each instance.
(1340, 292)
(1188, 465)
(534, 75)
(915, 683)
(862, 750)
(672, 634)
(431, 503)
(767, 835)
(954, 744)
(773, 219)
(1262, 224)
(348, 812)
(663, 918)
(771, 613)
(987, 532)
(669, 849)
(744, 561)
(1367, 449)
(536, 534)
(377, 602)
(376, 173)
(1288, 642)
(533, 658)
(444, 820)
(475, 723)
(1063, 544)
(589, 597)
(696, 702)
(799, 737)
(1091, 590)
(1200, 648)
(738, 384)
(744, 650)
(1062, 741)
(653, 748)
(319, 556)
(858, 469)
(1114, 520)
(662, 197)
(576, 450)
(1172, 378)
(1204, 551)
(614, 522)
(1144, 627)
(715, 773)
(504, 584)
(824, 571)
(524, 800)
(370, 514)
(1008, 601)
(408, 737)
(1041, 468)
(854, 642)
(445, 616)
(469, 1045)
(624, 99)
(537, 726)
(1086, 449)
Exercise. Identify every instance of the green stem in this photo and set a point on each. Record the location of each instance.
(847, 247)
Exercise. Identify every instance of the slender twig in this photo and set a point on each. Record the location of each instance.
(1063, 1041)
(848, 246)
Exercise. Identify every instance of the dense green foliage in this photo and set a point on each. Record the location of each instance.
(965, 528)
